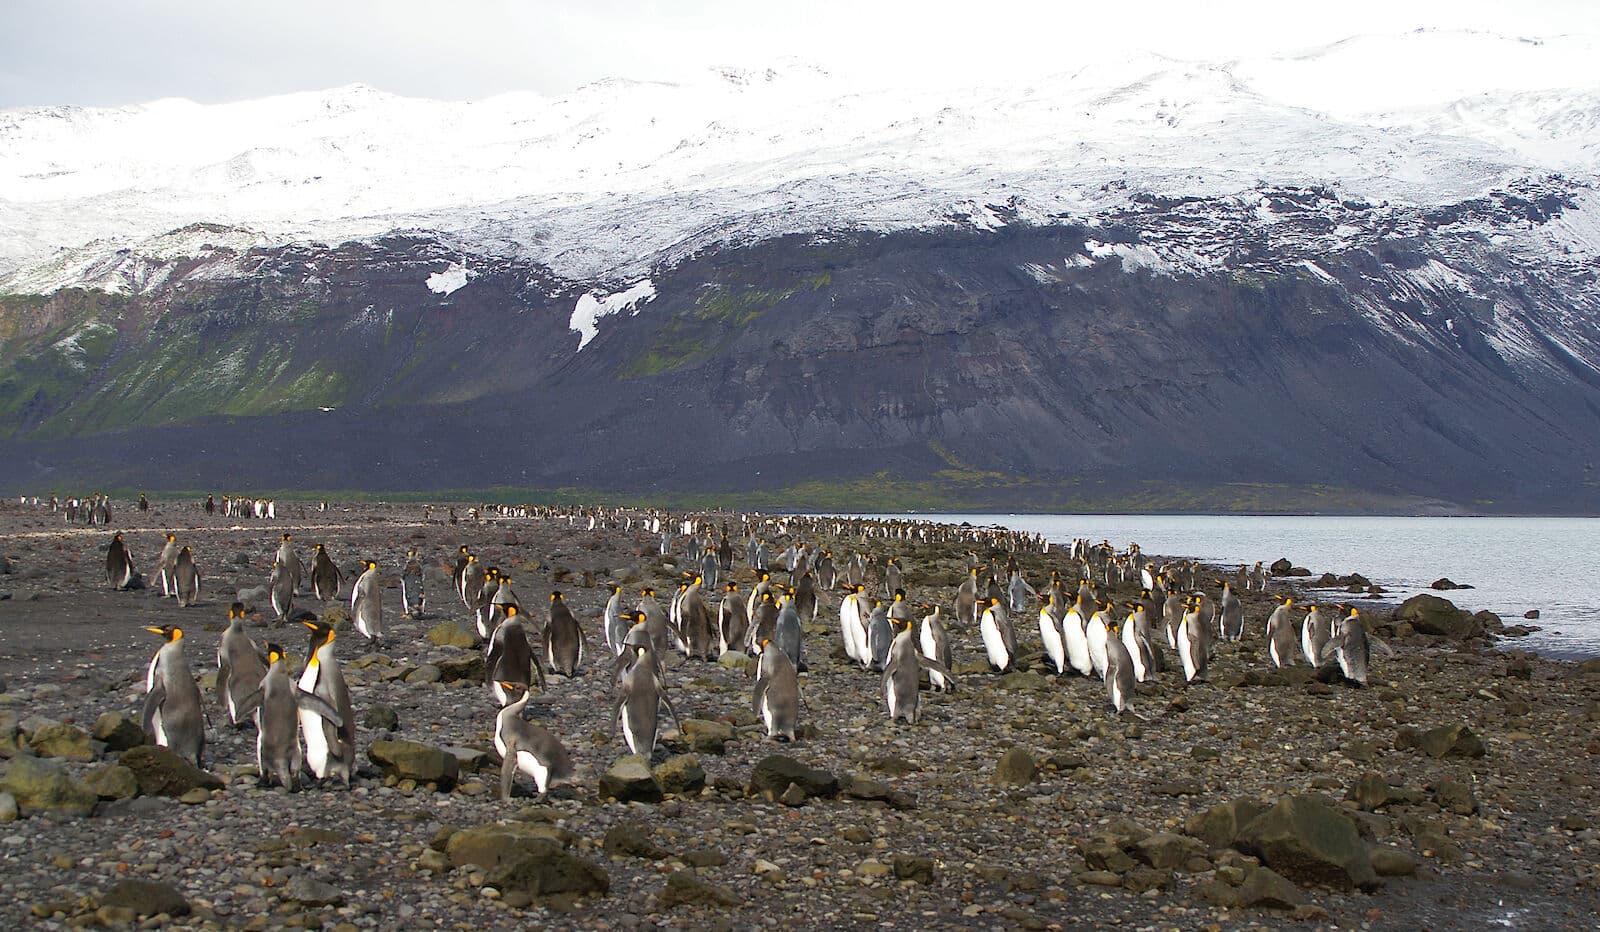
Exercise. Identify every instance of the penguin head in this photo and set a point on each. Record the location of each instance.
(647, 592)
(321, 633)
(275, 654)
(511, 609)
(616, 589)
(503, 579)
(512, 690)
(464, 550)
(117, 537)
(731, 587)
(286, 537)
(172, 537)
(555, 596)
(236, 610)
(170, 632)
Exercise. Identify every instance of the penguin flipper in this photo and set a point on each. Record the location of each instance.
(508, 771)
(152, 703)
(662, 689)
(491, 663)
(935, 666)
(249, 703)
(1374, 641)
(315, 703)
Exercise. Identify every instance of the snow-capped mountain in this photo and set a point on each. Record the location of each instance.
(620, 176)
(1357, 277)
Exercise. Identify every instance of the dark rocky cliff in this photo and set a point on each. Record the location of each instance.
(1426, 366)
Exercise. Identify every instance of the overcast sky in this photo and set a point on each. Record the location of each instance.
(99, 53)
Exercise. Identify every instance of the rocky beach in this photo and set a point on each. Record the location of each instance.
(1459, 789)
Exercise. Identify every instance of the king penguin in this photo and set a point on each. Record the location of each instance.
(1232, 612)
(1281, 633)
(119, 565)
(187, 578)
(880, 633)
(510, 657)
(366, 604)
(1194, 641)
(1315, 631)
(612, 624)
(732, 621)
(166, 564)
(173, 717)
(239, 666)
(1119, 670)
(1055, 648)
(1075, 637)
(527, 746)
(330, 748)
(901, 678)
(562, 641)
(1096, 632)
(853, 625)
(412, 599)
(278, 705)
(776, 697)
(640, 693)
(326, 576)
(788, 634)
(1353, 649)
(281, 586)
(935, 644)
(999, 641)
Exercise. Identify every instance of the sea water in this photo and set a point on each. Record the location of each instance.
(1514, 564)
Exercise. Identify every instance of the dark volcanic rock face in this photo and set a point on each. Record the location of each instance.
(1028, 366)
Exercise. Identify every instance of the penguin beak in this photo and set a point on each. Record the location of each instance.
(160, 631)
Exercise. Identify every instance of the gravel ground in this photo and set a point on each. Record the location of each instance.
(923, 834)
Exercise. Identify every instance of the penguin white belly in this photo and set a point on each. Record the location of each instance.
(160, 729)
(892, 695)
(316, 739)
(993, 644)
(1118, 700)
(1050, 636)
(1272, 648)
(766, 713)
(1186, 651)
(1308, 645)
(1077, 643)
(1096, 637)
(634, 740)
(1135, 658)
(531, 765)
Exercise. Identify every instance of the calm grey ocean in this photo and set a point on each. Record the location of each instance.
(1516, 564)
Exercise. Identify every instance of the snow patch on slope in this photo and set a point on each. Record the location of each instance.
(451, 280)
(594, 305)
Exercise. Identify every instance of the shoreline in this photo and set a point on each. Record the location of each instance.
(931, 825)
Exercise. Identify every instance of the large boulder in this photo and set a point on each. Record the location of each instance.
(685, 889)
(45, 786)
(549, 871)
(707, 736)
(629, 780)
(450, 634)
(1429, 614)
(161, 772)
(495, 845)
(60, 740)
(410, 760)
(118, 731)
(112, 781)
(1220, 825)
(1306, 839)
(681, 775)
(1015, 768)
(146, 898)
(1451, 741)
(774, 774)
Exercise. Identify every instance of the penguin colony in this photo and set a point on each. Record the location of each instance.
(1103, 614)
